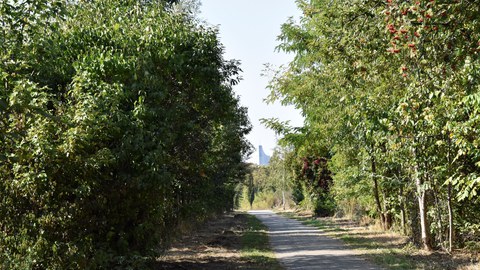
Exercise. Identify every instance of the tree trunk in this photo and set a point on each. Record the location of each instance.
(439, 217)
(376, 192)
(423, 220)
(425, 230)
(251, 190)
(449, 203)
(450, 218)
(387, 216)
(403, 210)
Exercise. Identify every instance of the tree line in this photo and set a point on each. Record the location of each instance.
(390, 93)
(118, 124)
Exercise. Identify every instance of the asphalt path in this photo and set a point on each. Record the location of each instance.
(298, 246)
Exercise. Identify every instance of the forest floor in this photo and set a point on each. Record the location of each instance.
(389, 249)
(232, 241)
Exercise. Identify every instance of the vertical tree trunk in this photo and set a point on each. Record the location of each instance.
(251, 190)
(449, 203)
(450, 218)
(402, 210)
(376, 192)
(423, 220)
(387, 216)
(438, 207)
(425, 230)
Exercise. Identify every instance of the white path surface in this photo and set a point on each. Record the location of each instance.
(298, 246)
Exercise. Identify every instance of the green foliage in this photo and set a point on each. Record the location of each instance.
(118, 122)
(389, 91)
(269, 186)
(297, 193)
(316, 181)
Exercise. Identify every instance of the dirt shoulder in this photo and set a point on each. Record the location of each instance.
(217, 244)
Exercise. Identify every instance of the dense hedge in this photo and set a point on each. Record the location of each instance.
(118, 122)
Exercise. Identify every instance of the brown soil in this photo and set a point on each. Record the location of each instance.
(214, 245)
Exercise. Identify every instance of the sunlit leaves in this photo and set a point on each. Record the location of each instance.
(390, 89)
(118, 122)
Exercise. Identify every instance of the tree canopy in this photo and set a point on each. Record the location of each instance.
(389, 91)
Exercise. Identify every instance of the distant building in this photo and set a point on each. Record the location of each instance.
(263, 159)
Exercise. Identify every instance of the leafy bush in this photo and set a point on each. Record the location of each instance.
(118, 121)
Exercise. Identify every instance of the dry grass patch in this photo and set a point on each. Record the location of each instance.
(221, 243)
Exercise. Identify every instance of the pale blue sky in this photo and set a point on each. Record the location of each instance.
(249, 30)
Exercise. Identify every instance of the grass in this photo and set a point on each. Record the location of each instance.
(255, 245)
(318, 223)
(391, 257)
(387, 249)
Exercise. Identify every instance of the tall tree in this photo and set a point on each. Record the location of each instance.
(389, 93)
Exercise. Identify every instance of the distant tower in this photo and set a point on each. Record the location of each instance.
(263, 159)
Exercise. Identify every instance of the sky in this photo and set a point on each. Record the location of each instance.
(248, 30)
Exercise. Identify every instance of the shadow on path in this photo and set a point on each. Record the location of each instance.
(303, 247)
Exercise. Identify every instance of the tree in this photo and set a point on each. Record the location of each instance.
(120, 123)
(381, 85)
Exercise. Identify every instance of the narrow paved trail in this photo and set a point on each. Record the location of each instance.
(298, 246)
